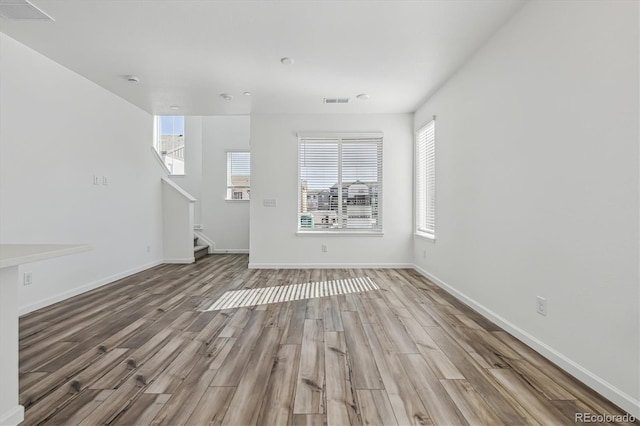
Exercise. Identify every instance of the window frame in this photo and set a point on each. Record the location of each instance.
(425, 204)
(339, 138)
(156, 144)
(230, 189)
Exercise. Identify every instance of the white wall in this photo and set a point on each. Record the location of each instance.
(537, 186)
(57, 131)
(274, 174)
(226, 223)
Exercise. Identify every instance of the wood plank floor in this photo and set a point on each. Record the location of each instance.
(142, 351)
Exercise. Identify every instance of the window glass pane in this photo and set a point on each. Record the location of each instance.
(170, 142)
(238, 175)
(360, 172)
(318, 185)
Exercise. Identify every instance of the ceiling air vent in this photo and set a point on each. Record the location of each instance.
(336, 100)
(22, 9)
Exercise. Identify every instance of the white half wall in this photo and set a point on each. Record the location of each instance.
(11, 412)
(537, 193)
(274, 174)
(59, 130)
(177, 220)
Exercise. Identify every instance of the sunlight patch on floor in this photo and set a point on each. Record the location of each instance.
(288, 293)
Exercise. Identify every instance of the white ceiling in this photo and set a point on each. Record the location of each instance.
(187, 52)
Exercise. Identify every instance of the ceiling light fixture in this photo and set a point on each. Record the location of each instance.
(247, 93)
(174, 107)
(133, 79)
(363, 97)
(286, 61)
(226, 96)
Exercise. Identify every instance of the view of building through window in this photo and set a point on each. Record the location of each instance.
(238, 175)
(340, 184)
(169, 142)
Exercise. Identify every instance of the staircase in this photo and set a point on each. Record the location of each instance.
(200, 250)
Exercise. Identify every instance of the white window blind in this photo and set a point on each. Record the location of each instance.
(238, 175)
(425, 180)
(340, 184)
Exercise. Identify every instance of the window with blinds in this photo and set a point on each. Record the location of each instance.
(426, 181)
(340, 183)
(238, 175)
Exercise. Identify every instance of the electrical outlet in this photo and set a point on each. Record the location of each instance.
(105, 180)
(96, 180)
(541, 305)
(27, 278)
(424, 254)
(269, 202)
(148, 249)
(325, 248)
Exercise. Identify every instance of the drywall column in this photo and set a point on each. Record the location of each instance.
(11, 413)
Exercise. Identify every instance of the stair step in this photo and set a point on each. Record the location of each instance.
(200, 251)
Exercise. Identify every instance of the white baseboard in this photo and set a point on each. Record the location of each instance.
(230, 251)
(328, 265)
(22, 310)
(12, 417)
(598, 384)
(184, 260)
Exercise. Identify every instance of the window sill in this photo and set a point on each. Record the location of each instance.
(339, 234)
(236, 201)
(427, 237)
